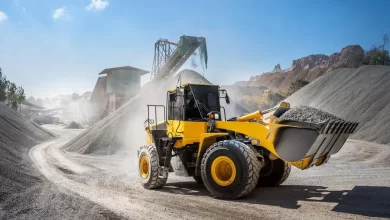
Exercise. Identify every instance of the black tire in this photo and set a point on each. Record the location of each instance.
(247, 168)
(152, 180)
(274, 173)
(198, 179)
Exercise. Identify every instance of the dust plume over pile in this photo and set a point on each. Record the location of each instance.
(122, 132)
(360, 94)
(68, 108)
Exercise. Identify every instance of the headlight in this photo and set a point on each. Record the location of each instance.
(214, 115)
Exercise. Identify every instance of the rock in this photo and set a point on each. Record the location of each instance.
(350, 57)
(309, 68)
(308, 114)
(309, 62)
(277, 68)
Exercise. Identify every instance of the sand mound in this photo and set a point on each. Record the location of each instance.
(360, 94)
(74, 125)
(124, 129)
(308, 114)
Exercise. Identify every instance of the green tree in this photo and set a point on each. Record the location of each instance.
(20, 96)
(378, 55)
(385, 39)
(10, 94)
(12, 98)
(3, 87)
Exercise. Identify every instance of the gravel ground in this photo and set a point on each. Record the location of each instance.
(354, 184)
(360, 94)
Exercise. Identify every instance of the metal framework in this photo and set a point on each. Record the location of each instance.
(163, 50)
(169, 57)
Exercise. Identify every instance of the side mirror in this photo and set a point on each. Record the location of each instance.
(227, 99)
(172, 97)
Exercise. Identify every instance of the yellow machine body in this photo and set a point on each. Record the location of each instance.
(227, 156)
(309, 138)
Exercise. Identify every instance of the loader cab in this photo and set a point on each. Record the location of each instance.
(193, 102)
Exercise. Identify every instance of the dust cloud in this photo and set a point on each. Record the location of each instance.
(122, 132)
(68, 108)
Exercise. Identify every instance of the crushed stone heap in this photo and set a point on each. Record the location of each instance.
(74, 125)
(308, 114)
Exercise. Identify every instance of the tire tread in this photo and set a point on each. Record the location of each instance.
(251, 160)
(156, 181)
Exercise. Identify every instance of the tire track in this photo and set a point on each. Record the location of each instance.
(342, 189)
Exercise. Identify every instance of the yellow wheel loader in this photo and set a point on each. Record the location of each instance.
(230, 157)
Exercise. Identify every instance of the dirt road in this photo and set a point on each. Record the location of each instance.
(355, 184)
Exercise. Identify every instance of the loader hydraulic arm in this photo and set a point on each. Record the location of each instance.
(257, 115)
(259, 132)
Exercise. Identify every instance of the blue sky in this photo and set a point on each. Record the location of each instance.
(53, 47)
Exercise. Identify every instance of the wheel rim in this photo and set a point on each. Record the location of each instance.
(223, 171)
(144, 167)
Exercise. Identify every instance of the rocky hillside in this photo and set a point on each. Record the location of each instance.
(307, 69)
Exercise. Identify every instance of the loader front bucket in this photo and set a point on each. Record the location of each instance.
(306, 144)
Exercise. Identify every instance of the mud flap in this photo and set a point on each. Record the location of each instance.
(305, 140)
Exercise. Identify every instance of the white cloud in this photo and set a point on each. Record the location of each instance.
(59, 12)
(97, 5)
(3, 16)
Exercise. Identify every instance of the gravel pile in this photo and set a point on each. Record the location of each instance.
(123, 131)
(24, 192)
(360, 94)
(308, 114)
(17, 135)
(74, 125)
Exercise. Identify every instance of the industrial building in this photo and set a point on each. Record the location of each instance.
(113, 88)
